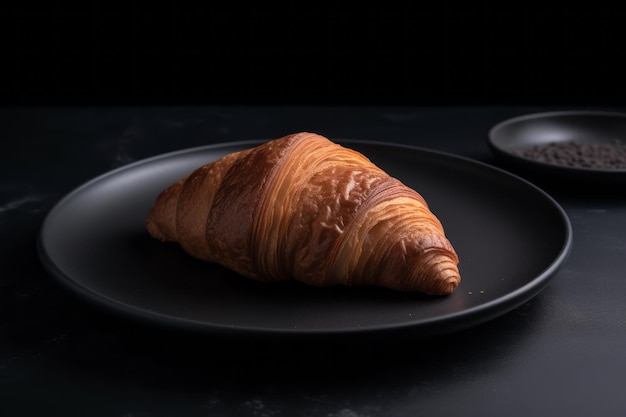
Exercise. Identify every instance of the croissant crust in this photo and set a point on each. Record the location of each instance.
(302, 207)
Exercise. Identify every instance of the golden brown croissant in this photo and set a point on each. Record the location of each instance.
(302, 207)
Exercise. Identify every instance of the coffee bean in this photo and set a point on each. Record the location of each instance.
(579, 154)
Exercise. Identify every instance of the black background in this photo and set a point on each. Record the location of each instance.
(216, 53)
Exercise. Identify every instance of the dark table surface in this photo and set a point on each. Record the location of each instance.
(563, 352)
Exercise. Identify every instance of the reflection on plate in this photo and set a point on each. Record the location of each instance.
(588, 146)
(511, 238)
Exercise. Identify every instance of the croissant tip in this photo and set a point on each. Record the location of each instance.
(450, 285)
(154, 230)
(442, 276)
(451, 280)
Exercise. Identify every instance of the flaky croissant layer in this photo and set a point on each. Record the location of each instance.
(302, 207)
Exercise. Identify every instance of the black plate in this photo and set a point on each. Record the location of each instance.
(511, 238)
(508, 138)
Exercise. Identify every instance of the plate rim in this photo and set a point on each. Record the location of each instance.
(453, 321)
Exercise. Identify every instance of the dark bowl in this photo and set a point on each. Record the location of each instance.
(519, 144)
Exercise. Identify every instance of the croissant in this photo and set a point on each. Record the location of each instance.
(302, 207)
